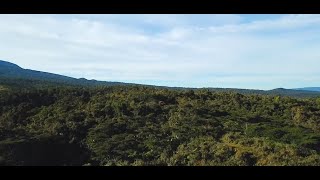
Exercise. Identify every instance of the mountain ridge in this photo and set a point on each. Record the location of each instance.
(315, 89)
(11, 73)
(6, 64)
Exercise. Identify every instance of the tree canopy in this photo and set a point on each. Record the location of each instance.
(136, 125)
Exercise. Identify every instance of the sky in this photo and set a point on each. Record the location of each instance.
(205, 50)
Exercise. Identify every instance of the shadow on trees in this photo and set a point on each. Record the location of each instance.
(43, 153)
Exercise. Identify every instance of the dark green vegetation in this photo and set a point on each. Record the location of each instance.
(53, 123)
(133, 125)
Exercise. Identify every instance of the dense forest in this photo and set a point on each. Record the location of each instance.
(49, 119)
(136, 125)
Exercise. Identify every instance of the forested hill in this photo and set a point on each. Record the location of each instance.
(14, 75)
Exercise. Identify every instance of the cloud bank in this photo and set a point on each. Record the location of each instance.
(241, 51)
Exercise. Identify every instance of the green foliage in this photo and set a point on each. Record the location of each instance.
(137, 125)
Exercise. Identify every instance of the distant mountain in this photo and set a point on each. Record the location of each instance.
(7, 65)
(15, 77)
(10, 71)
(316, 89)
(273, 92)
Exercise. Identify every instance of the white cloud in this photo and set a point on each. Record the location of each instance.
(193, 50)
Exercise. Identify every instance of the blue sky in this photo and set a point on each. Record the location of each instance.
(238, 51)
